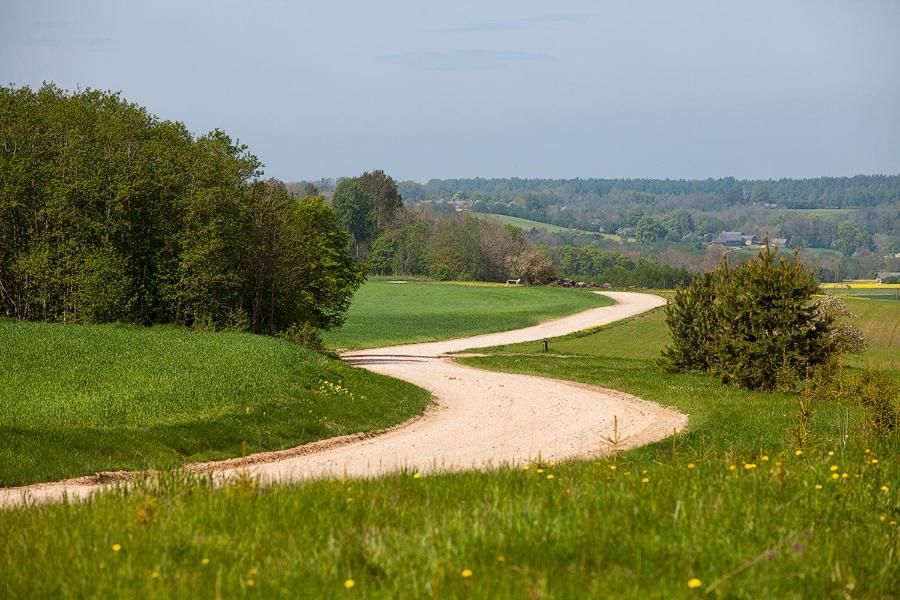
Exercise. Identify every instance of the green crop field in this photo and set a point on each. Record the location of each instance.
(879, 320)
(727, 506)
(528, 225)
(385, 313)
(77, 399)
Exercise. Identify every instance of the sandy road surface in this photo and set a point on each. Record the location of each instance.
(480, 419)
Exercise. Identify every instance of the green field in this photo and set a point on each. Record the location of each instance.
(385, 313)
(78, 399)
(727, 502)
(879, 320)
(822, 212)
(528, 225)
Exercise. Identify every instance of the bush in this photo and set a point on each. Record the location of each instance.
(303, 334)
(754, 325)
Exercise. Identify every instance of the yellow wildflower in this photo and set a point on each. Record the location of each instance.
(349, 584)
(884, 489)
(798, 452)
(204, 561)
(867, 450)
(645, 480)
(818, 486)
(466, 573)
(732, 467)
(835, 476)
(253, 570)
(417, 475)
(526, 467)
(250, 583)
(154, 575)
(764, 458)
(540, 471)
(116, 547)
(612, 467)
(831, 453)
(749, 466)
(501, 559)
(690, 465)
(550, 476)
(844, 476)
(874, 461)
(694, 583)
(834, 467)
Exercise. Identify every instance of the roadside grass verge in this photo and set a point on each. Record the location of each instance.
(385, 313)
(728, 502)
(78, 399)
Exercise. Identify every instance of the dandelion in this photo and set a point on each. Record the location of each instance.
(466, 573)
(834, 467)
(844, 476)
(417, 475)
(116, 547)
(798, 452)
(882, 517)
(550, 476)
(250, 583)
(831, 453)
(612, 467)
(732, 467)
(690, 465)
(540, 471)
(349, 584)
(253, 571)
(645, 480)
(526, 467)
(874, 461)
(884, 489)
(154, 575)
(204, 561)
(818, 486)
(835, 476)
(694, 583)
(501, 559)
(764, 458)
(749, 466)
(867, 450)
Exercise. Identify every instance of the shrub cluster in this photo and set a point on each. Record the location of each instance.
(755, 325)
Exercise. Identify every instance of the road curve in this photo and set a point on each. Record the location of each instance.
(480, 418)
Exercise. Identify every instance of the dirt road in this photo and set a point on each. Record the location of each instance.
(480, 418)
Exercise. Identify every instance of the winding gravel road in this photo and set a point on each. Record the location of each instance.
(480, 419)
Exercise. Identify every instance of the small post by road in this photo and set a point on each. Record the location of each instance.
(546, 345)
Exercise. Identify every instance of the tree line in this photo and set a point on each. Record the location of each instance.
(108, 213)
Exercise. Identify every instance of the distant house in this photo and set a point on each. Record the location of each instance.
(887, 277)
(780, 242)
(735, 238)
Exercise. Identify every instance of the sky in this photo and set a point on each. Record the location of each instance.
(498, 88)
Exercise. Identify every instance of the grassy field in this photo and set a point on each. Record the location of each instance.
(385, 313)
(727, 506)
(528, 225)
(76, 399)
(822, 212)
(879, 320)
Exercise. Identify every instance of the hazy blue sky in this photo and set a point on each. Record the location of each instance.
(503, 88)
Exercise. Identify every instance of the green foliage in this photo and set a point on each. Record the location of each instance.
(109, 214)
(617, 269)
(78, 399)
(355, 207)
(750, 323)
(303, 334)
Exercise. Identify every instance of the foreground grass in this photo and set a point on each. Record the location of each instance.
(385, 313)
(727, 502)
(75, 399)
